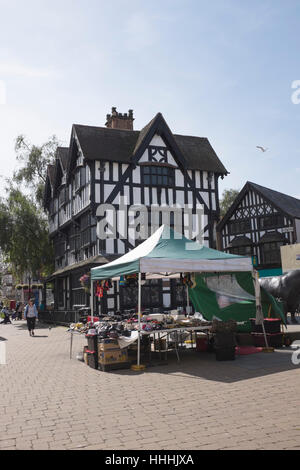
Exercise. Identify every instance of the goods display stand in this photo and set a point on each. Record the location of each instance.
(164, 335)
(168, 254)
(160, 337)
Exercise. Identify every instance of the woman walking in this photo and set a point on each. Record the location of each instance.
(31, 314)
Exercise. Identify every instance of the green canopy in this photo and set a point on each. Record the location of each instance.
(167, 251)
(231, 296)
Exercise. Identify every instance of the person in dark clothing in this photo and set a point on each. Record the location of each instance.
(5, 312)
(19, 310)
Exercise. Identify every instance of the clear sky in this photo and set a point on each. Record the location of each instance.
(221, 69)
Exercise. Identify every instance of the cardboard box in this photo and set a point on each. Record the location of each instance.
(107, 344)
(113, 356)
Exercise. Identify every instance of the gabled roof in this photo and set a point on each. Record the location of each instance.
(61, 164)
(62, 154)
(288, 204)
(200, 154)
(49, 183)
(102, 143)
(282, 202)
(51, 174)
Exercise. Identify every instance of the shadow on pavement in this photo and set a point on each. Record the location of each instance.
(22, 325)
(193, 366)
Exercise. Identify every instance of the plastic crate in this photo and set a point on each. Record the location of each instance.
(201, 343)
(92, 342)
(92, 358)
(272, 326)
(227, 354)
(244, 339)
(275, 340)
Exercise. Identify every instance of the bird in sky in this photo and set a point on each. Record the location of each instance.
(262, 148)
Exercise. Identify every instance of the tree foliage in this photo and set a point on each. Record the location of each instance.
(228, 197)
(34, 161)
(24, 239)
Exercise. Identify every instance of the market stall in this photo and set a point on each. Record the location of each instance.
(167, 253)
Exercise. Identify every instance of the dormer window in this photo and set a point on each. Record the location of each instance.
(79, 161)
(154, 175)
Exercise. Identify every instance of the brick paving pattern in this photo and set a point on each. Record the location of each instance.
(48, 401)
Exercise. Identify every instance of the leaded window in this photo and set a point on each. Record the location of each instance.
(153, 175)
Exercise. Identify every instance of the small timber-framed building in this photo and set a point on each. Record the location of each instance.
(258, 223)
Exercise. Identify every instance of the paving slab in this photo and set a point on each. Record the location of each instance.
(49, 401)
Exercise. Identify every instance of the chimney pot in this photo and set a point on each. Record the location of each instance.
(117, 120)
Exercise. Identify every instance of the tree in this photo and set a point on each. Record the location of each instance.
(228, 197)
(34, 160)
(24, 239)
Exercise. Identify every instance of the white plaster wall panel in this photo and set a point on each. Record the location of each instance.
(180, 198)
(110, 246)
(136, 175)
(197, 179)
(146, 196)
(97, 193)
(205, 182)
(87, 173)
(171, 160)
(127, 195)
(137, 196)
(154, 196)
(144, 157)
(213, 201)
(121, 247)
(171, 201)
(179, 179)
(115, 171)
(157, 141)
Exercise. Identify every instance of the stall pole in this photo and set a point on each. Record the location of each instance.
(139, 319)
(139, 366)
(188, 300)
(259, 312)
(92, 300)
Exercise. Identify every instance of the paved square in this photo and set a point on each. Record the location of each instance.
(48, 401)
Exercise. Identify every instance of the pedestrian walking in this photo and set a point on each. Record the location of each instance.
(31, 314)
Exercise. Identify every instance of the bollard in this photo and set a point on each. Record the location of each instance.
(2, 353)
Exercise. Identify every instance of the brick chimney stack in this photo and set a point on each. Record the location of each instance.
(117, 120)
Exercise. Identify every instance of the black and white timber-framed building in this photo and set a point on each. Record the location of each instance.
(259, 221)
(105, 164)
